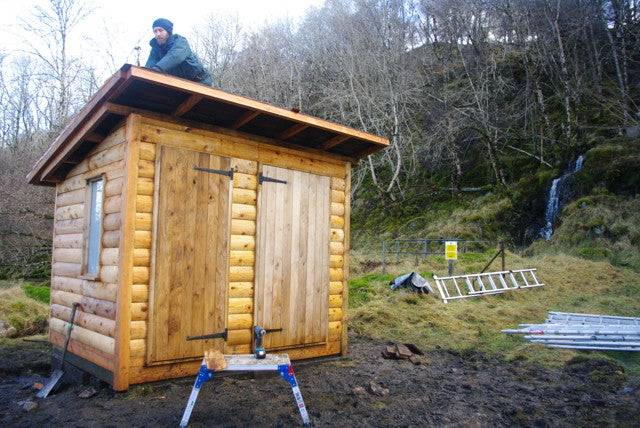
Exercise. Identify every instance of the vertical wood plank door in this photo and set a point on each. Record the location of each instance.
(292, 258)
(189, 294)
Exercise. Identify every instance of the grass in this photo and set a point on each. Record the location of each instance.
(22, 307)
(572, 284)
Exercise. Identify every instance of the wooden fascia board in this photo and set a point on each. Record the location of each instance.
(207, 91)
(113, 83)
(89, 124)
(226, 131)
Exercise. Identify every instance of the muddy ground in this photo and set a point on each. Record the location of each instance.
(450, 389)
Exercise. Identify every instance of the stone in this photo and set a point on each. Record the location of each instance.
(87, 393)
(28, 405)
(378, 389)
(358, 390)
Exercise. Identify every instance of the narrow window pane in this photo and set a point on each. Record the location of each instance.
(95, 228)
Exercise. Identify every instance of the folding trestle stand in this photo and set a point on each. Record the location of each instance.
(239, 363)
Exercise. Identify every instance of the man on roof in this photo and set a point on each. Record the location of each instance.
(170, 53)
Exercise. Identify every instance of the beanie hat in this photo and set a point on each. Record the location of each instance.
(163, 23)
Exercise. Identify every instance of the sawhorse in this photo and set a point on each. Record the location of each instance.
(248, 362)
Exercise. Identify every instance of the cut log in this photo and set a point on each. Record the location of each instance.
(240, 305)
(243, 211)
(243, 227)
(241, 289)
(245, 181)
(91, 322)
(95, 340)
(242, 258)
(111, 239)
(74, 240)
(242, 242)
(244, 196)
(239, 321)
(240, 273)
(111, 222)
(67, 255)
(66, 269)
(138, 329)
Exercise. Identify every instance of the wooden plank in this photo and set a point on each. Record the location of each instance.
(92, 289)
(243, 227)
(97, 357)
(124, 316)
(244, 119)
(241, 166)
(209, 92)
(187, 104)
(347, 247)
(86, 320)
(292, 265)
(72, 128)
(101, 308)
(245, 181)
(90, 338)
(292, 131)
(240, 289)
(189, 291)
(334, 141)
(247, 148)
(244, 196)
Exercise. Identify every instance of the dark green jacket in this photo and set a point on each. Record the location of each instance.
(175, 57)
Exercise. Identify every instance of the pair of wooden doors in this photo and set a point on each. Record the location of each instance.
(192, 234)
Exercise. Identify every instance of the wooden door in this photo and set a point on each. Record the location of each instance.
(189, 294)
(292, 268)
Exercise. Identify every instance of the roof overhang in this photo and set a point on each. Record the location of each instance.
(140, 90)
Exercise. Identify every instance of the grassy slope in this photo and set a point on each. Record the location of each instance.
(572, 284)
(22, 307)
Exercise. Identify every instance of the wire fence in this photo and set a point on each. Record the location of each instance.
(421, 248)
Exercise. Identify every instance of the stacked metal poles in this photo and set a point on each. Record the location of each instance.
(584, 331)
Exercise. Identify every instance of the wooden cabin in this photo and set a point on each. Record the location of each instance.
(183, 210)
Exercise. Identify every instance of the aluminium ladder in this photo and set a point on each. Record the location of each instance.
(483, 284)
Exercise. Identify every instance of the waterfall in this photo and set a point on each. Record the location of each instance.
(558, 193)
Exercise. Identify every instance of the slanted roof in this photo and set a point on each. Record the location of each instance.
(139, 90)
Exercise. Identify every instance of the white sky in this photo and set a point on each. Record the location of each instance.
(120, 25)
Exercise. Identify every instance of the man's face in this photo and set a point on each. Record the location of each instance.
(161, 35)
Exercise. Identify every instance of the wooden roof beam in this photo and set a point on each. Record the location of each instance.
(334, 141)
(244, 119)
(93, 137)
(186, 106)
(87, 127)
(292, 131)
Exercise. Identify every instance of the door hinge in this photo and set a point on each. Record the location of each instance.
(263, 178)
(228, 173)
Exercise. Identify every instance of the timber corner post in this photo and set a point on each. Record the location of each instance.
(344, 346)
(123, 312)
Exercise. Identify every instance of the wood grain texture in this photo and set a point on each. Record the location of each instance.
(292, 265)
(189, 294)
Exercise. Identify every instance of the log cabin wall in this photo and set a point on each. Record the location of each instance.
(93, 336)
(246, 158)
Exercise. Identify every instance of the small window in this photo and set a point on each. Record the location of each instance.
(95, 226)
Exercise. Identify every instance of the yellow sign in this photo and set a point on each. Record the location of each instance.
(451, 250)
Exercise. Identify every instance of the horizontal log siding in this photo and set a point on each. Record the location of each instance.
(93, 334)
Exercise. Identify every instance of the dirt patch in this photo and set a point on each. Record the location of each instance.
(452, 388)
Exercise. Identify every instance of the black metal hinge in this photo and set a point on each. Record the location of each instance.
(222, 335)
(263, 178)
(228, 173)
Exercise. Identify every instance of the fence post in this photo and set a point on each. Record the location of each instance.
(502, 253)
(384, 268)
